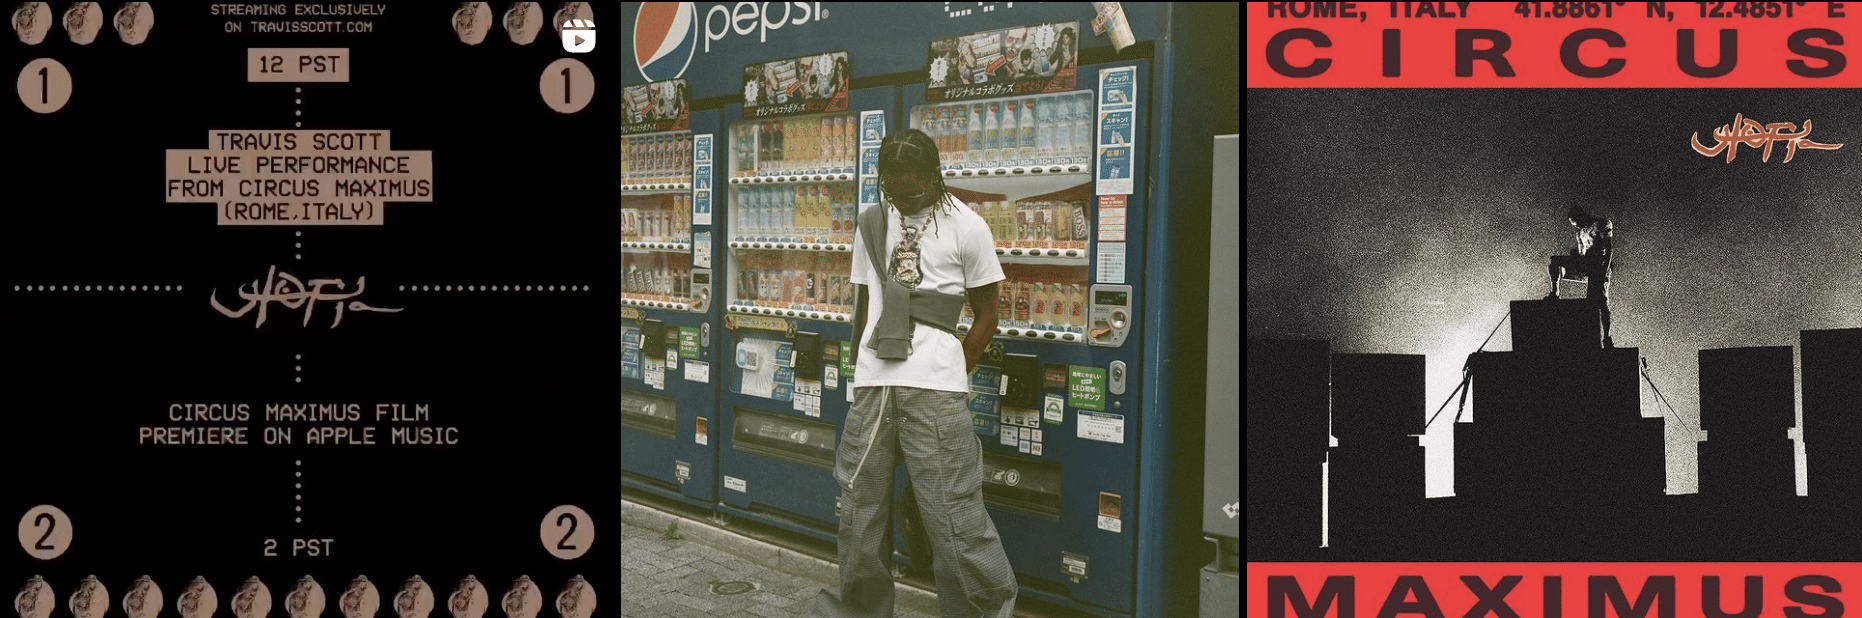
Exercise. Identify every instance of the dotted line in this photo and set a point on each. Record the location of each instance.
(299, 245)
(300, 487)
(493, 288)
(96, 288)
(300, 114)
(300, 368)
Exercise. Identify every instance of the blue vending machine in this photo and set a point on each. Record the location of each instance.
(669, 396)
(1056, 400)
(795, 183)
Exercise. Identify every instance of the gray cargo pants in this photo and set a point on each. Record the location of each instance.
(932, 430)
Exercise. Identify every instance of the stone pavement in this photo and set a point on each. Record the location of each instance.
(713, 572)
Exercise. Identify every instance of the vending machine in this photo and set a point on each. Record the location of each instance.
(1056, 403)
(795, 183)
(668, 315)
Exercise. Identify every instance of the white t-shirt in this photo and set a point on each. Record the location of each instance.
(956, 253)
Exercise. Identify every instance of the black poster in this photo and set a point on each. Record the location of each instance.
(310, 290)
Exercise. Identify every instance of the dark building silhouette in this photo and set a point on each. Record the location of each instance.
(1748, 402)
(1832, 368)
(1289, 395)
(1557, 463)
(1558, 448)
(1377, 470)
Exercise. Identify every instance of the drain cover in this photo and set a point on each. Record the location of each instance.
(729, 588)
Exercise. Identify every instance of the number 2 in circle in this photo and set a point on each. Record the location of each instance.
(45, 519)
(44, 530)
(567, 531)
(564, 543)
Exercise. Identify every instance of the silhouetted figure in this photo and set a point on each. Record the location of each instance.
(1591, 260)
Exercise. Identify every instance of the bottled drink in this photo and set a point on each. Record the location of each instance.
(741, 214)
(973, 157)
(765, 143)
(754, 151)
(950, 122)
(1024, 225)
(959, 135)
(806, 128)
(992, 134)
(755, 206)
(926, 120)
(842, 148)
(835, 230)
(1044, 131)
(827, 140)
(1022, 294)
(804, 143)
(808, 294)
(682, 154)
(1005, 302)
(847, 210)
(1028, 131)
(1038, 310)
(814, 143)
(817, 214)
(740, 149)
(1011, 134)
(781, 147)
(1076, 309)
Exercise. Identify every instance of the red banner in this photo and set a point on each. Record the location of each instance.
(1550, 589)
(1552, 44)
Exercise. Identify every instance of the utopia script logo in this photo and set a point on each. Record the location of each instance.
(1746, 131)
(665, 38)
(289, 291)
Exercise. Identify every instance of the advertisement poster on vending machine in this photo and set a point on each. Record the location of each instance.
(1553, 308)
(808, 84)
(1024, 60)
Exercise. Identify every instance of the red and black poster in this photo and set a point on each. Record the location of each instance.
(1554, 309)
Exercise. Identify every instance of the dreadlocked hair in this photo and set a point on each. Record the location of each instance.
(912, 151)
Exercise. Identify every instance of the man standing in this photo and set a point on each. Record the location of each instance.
(917, 258)
(1591, 259)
